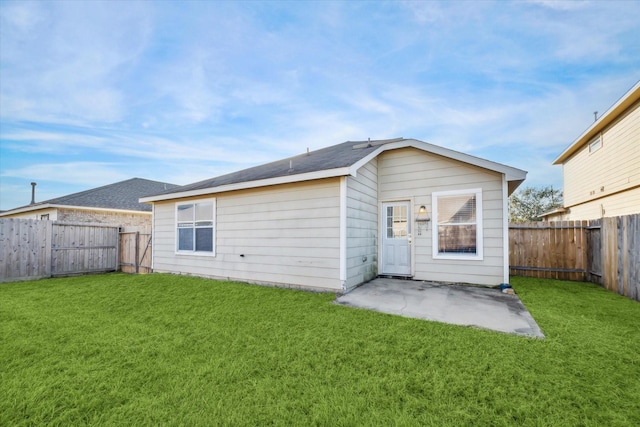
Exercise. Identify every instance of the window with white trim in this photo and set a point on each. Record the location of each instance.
(595, 144)
(457, 224)
(195, 227)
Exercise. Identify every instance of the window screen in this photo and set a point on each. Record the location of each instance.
(195, 228)
(456, 228)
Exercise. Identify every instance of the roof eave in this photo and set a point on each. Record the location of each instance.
(287, 179)
(57, 206)
(27, 209)
(626, 101)
(559, 210)
(511, 173)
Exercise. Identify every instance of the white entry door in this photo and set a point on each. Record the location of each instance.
(396, 238)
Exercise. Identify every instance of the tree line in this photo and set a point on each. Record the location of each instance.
(529, 203)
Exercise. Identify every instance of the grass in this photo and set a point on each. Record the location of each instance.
(172, 350)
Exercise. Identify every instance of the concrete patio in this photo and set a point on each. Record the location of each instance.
(479, 307)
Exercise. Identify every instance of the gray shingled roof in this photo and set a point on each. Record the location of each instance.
(120, 195)
(336, 156)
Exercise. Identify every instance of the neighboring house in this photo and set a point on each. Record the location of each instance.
(334, 218)
(113, 204)
(601, 169)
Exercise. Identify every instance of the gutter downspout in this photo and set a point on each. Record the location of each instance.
(343, 233)
(505, 229)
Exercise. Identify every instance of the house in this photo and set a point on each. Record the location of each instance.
(113, 204)
(601, 168)
(334, 218)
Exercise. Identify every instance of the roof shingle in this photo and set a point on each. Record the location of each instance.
(122, 195)
(336, 156)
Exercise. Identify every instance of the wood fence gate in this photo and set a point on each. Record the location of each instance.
(82, 248)
(553, 250)
(135, 252)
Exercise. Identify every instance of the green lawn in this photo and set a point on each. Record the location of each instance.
(168, 350)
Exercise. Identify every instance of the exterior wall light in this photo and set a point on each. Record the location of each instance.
(422, 218)
(423, 215)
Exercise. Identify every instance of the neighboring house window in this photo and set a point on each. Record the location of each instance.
(44, 216)
(595, 144)
(195, 229)
(457, 224)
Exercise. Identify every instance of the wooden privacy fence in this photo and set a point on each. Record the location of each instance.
(619, 253)
(554, 250)
(31, 249)
(135, 252)
(604, 251)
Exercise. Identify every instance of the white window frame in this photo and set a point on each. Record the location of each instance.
(478, 256)
(177, 237)
(595, 144)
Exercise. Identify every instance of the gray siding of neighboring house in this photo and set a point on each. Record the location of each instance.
(288, 234)
(362, 225)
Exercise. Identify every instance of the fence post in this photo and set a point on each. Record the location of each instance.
(137, 252)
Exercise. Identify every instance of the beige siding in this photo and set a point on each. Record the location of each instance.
(362, 225)
(624, 203)
(288, 234)
(613, 168)
(409, 174)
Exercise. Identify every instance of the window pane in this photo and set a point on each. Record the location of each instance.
(185, 213)
(400, 228)
(185, 239)
(204, 239)
(457, 239)
(397, 222)
(457, 209)
(204, 211)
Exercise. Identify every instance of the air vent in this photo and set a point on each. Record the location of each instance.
(370, 143)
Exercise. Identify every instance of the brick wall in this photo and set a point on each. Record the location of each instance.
(128, 221)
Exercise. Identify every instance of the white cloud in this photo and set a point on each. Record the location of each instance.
(133, 145)
(560, 4)
(66, 59)
(89, 173)
(425, 12)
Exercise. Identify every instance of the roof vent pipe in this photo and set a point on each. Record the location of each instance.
(33, 193)
(595, 116)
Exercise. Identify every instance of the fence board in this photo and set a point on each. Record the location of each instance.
(633, 246)
(594, 250)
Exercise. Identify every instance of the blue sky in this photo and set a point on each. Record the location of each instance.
(92, 93)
